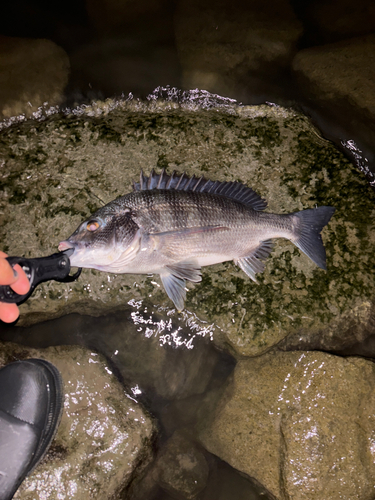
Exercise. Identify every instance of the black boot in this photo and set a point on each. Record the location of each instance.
(31, 404)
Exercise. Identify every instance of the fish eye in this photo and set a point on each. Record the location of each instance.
(92, 225)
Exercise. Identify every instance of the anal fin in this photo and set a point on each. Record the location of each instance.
(254, 263)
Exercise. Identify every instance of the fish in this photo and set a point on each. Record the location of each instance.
(173, 225)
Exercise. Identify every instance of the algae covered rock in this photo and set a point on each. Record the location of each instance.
(57, 170)
(301, 423)
(104, 439)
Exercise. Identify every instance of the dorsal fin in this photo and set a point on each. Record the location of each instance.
(234, 190)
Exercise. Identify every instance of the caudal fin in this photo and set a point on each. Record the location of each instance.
(309, 239)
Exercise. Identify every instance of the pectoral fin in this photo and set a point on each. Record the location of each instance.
(186, 270)
(174, 277)
(175, 288)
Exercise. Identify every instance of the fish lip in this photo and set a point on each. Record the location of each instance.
(65, 245)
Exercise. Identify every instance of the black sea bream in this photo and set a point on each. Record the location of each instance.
(173, 225)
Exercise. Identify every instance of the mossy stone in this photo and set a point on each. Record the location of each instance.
(59, 169)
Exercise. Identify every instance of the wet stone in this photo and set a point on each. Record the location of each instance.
(300, 423)
(335, 77)
(58, 170)
(347, 62)
(181, 468)
(104, 439)
(221, 46)
(341, 18)
(32, 72)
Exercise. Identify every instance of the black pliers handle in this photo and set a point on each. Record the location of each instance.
(54, 267)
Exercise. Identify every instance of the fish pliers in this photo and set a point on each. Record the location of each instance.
(53, 267)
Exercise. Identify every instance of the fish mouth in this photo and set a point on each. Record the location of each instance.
(65, 245)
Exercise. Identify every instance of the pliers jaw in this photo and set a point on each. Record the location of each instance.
(53, 267)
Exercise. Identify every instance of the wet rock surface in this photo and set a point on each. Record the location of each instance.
(58, 171)
(222, 46)
(337, 19)
(181, 468)
(104, 439)
(32, 72)
(300, 423)
(336, 75)
(346, 61)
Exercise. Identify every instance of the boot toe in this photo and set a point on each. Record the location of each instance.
(31, 403)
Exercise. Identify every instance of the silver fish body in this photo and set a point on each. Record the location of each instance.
(174, 225)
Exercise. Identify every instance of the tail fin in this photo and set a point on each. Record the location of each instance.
(308, 239)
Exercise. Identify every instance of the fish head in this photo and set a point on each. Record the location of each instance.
(106, 241)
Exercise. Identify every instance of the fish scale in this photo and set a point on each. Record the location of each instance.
(173, 225)
(182, 208)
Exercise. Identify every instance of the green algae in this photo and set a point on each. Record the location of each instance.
(65, 168)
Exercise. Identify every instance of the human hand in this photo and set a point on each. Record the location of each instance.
(18, 282)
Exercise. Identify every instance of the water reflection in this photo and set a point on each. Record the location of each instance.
(359, 159)
(181, 330)
(166, 362)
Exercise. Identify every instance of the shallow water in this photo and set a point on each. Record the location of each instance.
(171, 367)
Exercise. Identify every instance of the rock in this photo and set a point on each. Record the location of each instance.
(181, 468)
(300, 423)
(337, 71)
(341, 18)
(223, 482)
(335, 79)
(119, 65)
(32, 73)
(110, 16)
(59, 170)
(133, 52)
(221, 45)
(104, 438)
